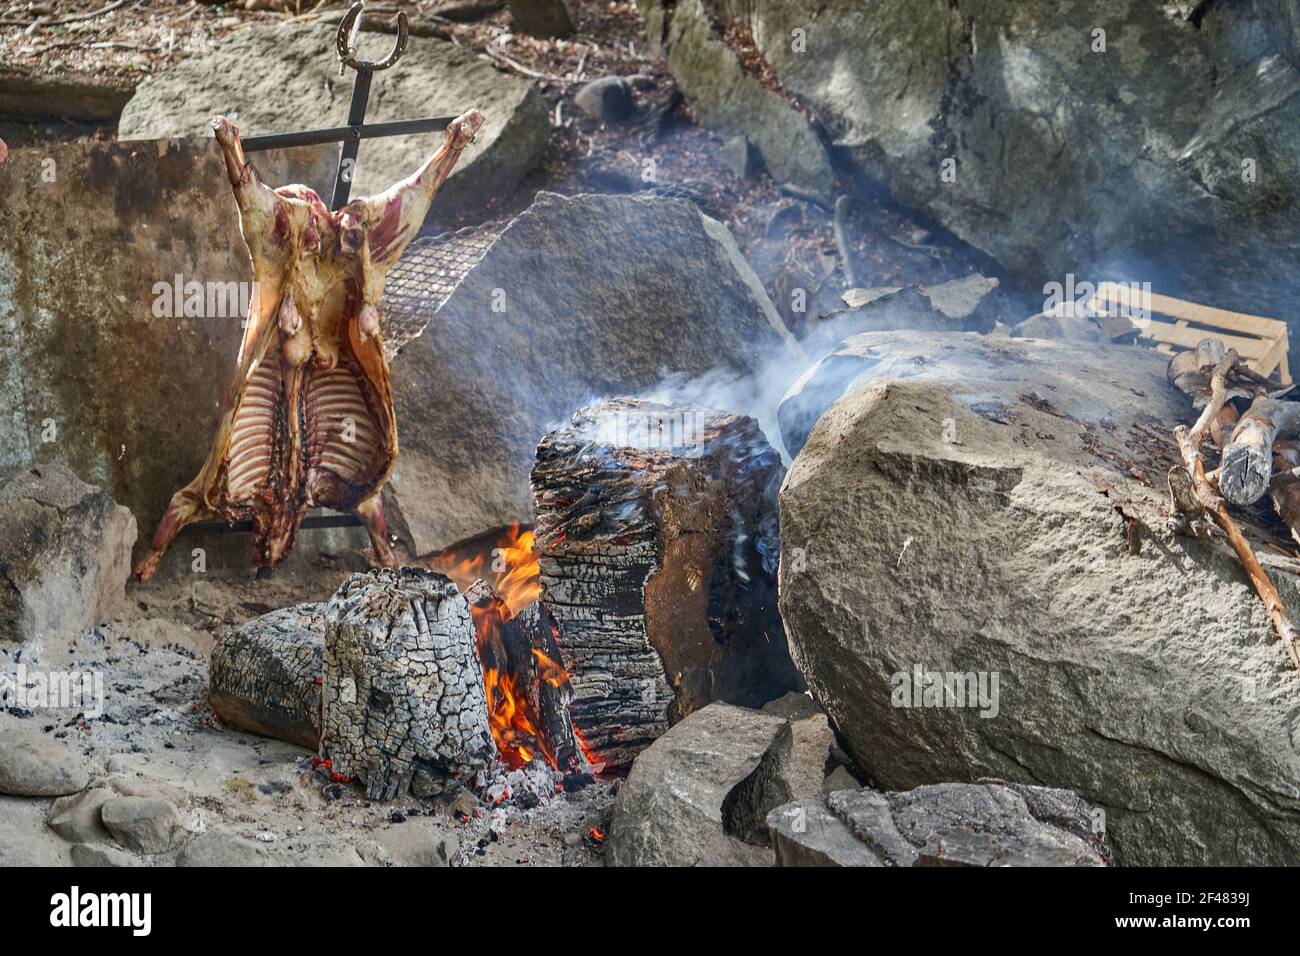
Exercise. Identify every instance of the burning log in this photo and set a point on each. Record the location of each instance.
(657, 542)
(265, 676)
(404, 702)
(528, 692)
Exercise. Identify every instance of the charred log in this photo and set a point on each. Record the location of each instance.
(656, 535)
(404, 703)
(265, 676)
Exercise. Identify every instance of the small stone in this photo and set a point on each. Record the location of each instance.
(33, 764)
(143, 824)
(218, 848)
(608, 99)
(265, 836)
(77, 819)
(101, 856)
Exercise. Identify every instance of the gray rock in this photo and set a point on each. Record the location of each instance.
(143, 824)
(220, 848)
(960, 305)
(95, 855)
(608, 99)
(1001, 89)
(939, 825)
(77, 818)
(792, 706)
(33, 764)
(806, 833)
(541, 18)
(959, 512)
(1015, 366)
(839, 779)
(740, 156)
(800, 759)
(284, 78)
(265, 675)
(579, 298)
(730, 99)
(65, 554)
(691, 793)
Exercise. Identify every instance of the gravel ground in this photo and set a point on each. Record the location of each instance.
(156, 737)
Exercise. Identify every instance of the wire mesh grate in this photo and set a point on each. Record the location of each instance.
(425, 276)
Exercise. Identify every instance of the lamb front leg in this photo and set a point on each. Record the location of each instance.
(186, 507)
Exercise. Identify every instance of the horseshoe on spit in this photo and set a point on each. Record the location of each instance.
(345, 42)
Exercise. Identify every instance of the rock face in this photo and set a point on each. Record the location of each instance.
(33, 764)
(732, 98)
(1199, 103)
(266, 676)
(947, 824)
(65, 554)
(578, 298)
(285, 78)
(954, 533)
(404, 698)
(98, 370)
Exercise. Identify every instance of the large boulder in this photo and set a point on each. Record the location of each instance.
(98, 370)
(65, 554)
(579, 298)
(960, 589)
(285, 78)
(946, 824)
(1163, 148)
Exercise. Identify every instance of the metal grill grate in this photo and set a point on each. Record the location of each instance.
(425, 276)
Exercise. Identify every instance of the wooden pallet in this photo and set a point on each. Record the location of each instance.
(1261, 342)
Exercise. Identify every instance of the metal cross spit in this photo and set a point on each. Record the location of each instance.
(350, 136)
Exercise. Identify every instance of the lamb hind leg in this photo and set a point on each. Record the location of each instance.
(371, 513)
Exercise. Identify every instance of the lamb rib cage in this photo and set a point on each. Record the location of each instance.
(308, 417)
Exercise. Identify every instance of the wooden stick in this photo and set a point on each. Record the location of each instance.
(1207, 496)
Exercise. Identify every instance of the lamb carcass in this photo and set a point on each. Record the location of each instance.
(307, 419)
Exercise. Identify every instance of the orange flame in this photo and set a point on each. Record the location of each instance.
(512, 569)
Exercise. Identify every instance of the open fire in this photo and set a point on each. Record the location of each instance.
(502, 579)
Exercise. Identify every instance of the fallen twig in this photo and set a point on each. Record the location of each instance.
(839, 227)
